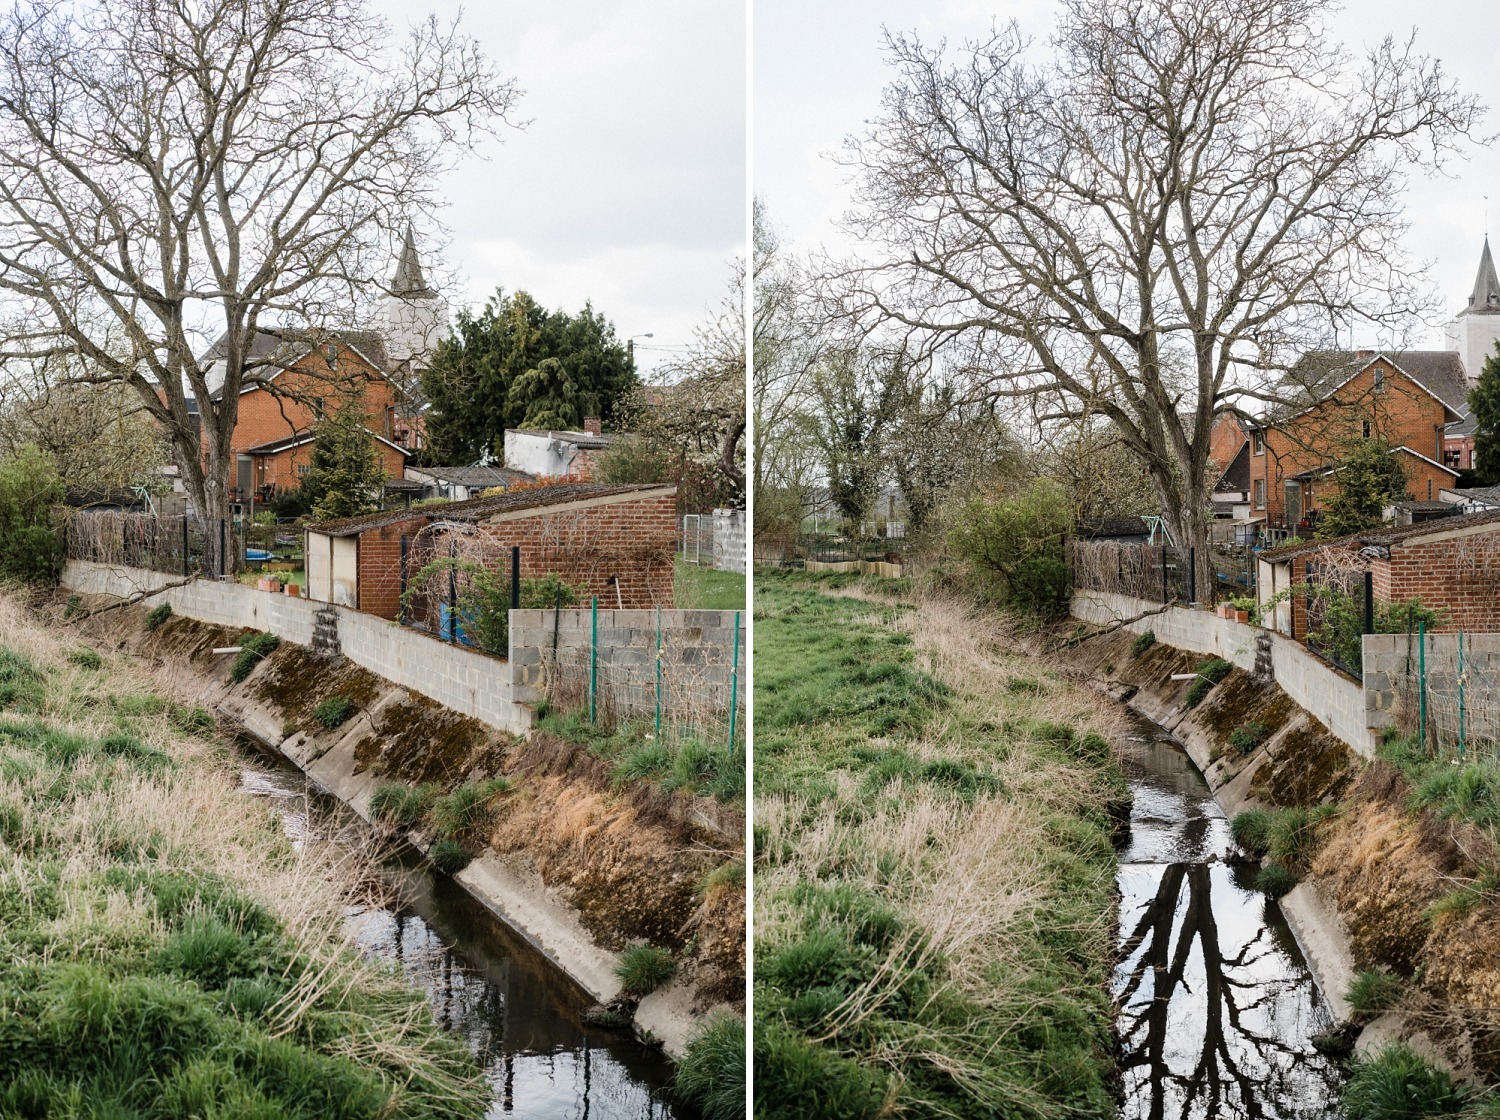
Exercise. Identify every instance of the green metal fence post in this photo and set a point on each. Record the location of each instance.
(1460, 694)
(593, 655)
(1422, 682)
(734, 682)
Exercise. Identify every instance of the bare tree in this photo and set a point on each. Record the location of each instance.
(98, 436)
(788, 339)
(177, 171)
(1151, 225)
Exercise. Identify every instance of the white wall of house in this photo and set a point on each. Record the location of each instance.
(538, 453)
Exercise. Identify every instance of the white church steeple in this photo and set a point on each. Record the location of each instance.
(416, 316)
(1475, 331)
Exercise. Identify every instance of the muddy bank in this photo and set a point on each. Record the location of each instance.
(1365, 900)
(577, 869)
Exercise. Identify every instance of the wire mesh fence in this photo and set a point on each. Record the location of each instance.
(1447, 690)
(182, 546)
(648, 665)
(1156, 573)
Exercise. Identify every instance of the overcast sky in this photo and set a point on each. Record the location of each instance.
(819, 71)
(628, 186)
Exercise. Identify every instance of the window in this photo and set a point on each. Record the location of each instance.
(302, 468)
(1257, 443)
(1379, 379)
(1365, 429)
(1260, 493)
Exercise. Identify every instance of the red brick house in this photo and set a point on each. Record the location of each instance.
(1451, 564)
(613, 541)
(1407, 399)
(298, 377)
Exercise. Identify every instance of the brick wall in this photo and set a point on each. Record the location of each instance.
(632, 540)
(380, 570)
(1459, 575)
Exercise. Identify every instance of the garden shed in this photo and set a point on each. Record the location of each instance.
(611, 541)
(1451, 565)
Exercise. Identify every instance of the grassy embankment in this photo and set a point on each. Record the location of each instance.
(704, 589)
(934, 876)
(164, 950)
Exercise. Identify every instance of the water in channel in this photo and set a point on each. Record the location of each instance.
(515, 1010)
(1216, 1004)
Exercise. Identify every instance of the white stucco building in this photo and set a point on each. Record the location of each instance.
(1475, 331)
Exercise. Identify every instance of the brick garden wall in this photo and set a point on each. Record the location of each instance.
(1459, 575)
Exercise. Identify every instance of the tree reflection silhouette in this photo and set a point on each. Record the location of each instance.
(1242, 1062)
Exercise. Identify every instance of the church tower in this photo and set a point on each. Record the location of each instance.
(416, 316)
(1476, 330)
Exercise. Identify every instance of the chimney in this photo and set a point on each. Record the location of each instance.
(592, 426)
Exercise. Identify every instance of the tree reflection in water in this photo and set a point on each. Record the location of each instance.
(1216, 1007)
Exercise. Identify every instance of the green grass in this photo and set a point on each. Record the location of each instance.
(1251, 830)
(682, 759)
(253, 649)
(1247, 737)
(334, 711)
(468, 808)
(705, 589)
(1398, 1084)
(1370, 993)
(644, 968)
(1142, 643)
(157, 615)
(449, 856)
(1273, 880)
(711, 1075)
(874, 778)
(85, 659)
(143, 972)
(1210, 673)
(402, 806)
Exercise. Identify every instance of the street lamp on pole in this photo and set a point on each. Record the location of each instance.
(630, 345)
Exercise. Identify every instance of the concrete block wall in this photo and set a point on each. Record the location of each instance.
(1393, 667)
(467, 682)
(1337, 702)
(729, 540)
(698, 657)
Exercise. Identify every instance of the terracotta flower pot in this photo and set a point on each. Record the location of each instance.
(1242, 616)
(293, 590)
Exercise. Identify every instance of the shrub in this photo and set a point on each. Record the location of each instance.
(1274, 880)
(711, 1075)
(1397, 1084)
(252, 650)
(72, 607)
(402, 806)
(1374, 992)
(467, 808)
(157, 615)
(30, 548)
(644, 968)
(1142, 643)
(334, 711)
(1247, 736)
(1210, 673)
(449, 856)
(1015, 547)
(1251, 830)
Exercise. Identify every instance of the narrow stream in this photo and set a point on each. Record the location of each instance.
(516, 1011)
(1216, 1004)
